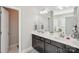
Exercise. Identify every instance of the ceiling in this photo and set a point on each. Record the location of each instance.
(54, 8)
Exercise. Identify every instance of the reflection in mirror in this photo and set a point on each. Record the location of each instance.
(64, 20)
(61, 20)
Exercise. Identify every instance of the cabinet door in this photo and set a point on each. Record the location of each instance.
(71, 49)
(50, 48)
(34, 42)
(60, 45)
(37, 43)
(40, 45)
(61, 50)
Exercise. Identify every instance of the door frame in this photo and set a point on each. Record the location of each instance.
(19, 10)
(0, 29)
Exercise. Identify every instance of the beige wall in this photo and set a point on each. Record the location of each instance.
(13, 27)
(27, 21)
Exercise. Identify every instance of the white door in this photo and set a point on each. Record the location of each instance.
(0, 29)
(4, 30)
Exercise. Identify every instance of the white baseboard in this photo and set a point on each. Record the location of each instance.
(27, 50)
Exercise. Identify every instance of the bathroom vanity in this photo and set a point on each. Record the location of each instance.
(57, 31)
(47, 43)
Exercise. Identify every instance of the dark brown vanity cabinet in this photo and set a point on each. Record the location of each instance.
(60, 47)
(50, 48)
(38, 43)
(70, 49)
(54, 47)
(44, 45)
(34, 42)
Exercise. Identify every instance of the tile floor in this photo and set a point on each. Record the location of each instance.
(33, 51)
(16, 50)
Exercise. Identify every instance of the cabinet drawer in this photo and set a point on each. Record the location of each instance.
(60, 45)
(35, 36)
(47, 41)
(42, 39)
(50, 49)
(61, 50)
(71, 49)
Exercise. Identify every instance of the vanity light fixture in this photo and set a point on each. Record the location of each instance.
(44, 11)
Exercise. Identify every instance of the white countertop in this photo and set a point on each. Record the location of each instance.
(55, 37)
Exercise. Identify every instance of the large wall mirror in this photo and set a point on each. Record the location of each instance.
(59, 19)
(64, 20)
